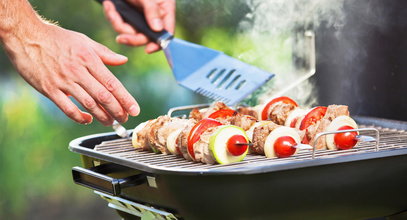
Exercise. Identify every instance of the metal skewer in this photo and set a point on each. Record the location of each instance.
(249, 144)
(120, 130)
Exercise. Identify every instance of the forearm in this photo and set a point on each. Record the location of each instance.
(17, 19)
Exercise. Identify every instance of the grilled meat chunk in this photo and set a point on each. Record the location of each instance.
(260, 134)
(196, 114)
(279, 112)
(332, 112)
(152, 136)
(163, 132)
(245, 110)
(201, 147)
(142, 135)
(310, 132)
(183, 138)
(243, 121)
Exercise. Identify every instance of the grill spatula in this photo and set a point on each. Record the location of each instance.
(206, 71)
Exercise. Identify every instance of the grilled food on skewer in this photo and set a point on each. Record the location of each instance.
(199, 140)
(285, 111)
(222, 144)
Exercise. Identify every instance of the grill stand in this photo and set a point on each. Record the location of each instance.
(333, 181)
(135, 209)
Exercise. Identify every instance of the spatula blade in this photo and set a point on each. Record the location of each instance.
(212, 73)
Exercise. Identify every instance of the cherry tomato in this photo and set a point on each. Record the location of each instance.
(222, 113)
(345, 140)
(283, 146)
(284, 99)
(237, 149)
(196, 132)
(313, 116)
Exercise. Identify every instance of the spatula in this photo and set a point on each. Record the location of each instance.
(206, 71)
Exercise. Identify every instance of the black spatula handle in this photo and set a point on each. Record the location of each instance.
(136, 19)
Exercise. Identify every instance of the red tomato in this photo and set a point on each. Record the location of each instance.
(305, 140)
(237, 149)
(285, 99)
(196, 132)
(283, 147)
(313, 116)
(222, 113)
(293, 122)
(345, 140)
(179, 151)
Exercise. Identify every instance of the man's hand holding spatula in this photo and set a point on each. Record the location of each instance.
(160, 15)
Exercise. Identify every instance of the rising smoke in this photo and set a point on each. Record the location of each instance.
(276, 29)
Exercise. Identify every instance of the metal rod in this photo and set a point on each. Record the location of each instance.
(344, 131)
(186, 107)
(120, 130)
(249, 144)
(310, 39)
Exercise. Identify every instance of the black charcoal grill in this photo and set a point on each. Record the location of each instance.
(365, 182)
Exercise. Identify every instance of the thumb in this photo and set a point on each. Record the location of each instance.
(152, 13)
(109, 57)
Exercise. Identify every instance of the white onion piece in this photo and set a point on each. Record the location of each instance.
(172, 141)
(296, 113)
(337, 123)
(137, 129)
(276, 133)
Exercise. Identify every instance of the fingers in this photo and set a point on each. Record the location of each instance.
(159, 14)
(109, 92)
(90, 105)
(115, 19)
(152, 13)
(107, 56)
(104, 98)
(152, 47)
(132, 39)
(69, 108)
(168, 8)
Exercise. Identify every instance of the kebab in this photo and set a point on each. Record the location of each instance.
(285, 111)
(206, 141)
(267, 137)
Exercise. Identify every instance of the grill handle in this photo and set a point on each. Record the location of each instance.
(96, 179)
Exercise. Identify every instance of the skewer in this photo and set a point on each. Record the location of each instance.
(364, 138)
(249, 144)
(303, 147)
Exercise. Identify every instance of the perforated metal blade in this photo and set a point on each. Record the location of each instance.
(212, 73)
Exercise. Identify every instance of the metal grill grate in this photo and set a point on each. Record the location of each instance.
(121, 149)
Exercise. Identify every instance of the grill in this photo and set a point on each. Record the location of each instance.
(366, 181)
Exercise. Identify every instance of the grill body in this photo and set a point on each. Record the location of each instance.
(350, 186)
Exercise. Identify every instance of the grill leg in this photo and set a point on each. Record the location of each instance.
(398, 216)
(127, 216)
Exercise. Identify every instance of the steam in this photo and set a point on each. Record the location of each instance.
(276, 31)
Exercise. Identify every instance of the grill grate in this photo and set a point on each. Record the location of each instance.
(122, 149)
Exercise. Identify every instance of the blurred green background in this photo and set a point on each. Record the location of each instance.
(35, 163)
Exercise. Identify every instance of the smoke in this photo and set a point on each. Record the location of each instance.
(276, 30)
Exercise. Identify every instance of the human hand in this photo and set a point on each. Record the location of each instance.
(59, 62)
(160, 14)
